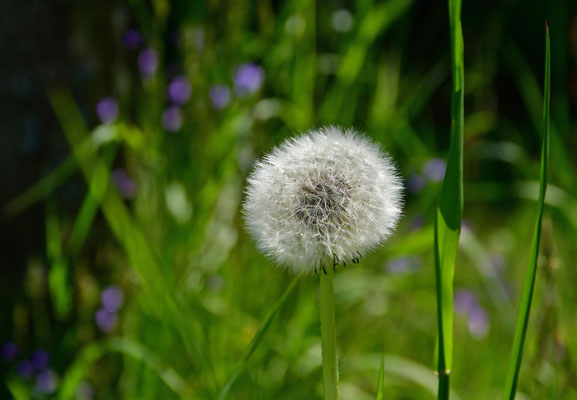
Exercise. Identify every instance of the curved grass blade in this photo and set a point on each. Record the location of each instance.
(450, 208)
(380, 394)
(156, 283)
(257, 339)
(529, 283)
(40, 189)
(77, 371)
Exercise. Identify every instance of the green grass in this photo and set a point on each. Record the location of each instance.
(531, 274)
(205, 314)
(450, 208)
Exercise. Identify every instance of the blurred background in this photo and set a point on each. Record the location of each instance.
(128, 130)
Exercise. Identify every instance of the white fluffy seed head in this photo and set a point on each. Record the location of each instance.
(330, 194)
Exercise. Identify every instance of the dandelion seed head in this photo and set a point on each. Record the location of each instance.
(330, 194)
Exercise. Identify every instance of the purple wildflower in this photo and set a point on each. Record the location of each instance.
(25, 369)
(415, 183)
(132, 39)
(172, 119)
(40, 360)
(465, 300)
(402, 265)
(435, 169)
(112, 298)
(478, 323)
(107, 109)
(148, 62)
(179, 90)
(248, 78)
(220, 96)
(106, 320)
(124, 184)
(417, 223)
(46, 381)
(9, 351)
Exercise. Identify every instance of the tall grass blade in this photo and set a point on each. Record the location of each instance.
(59, 275)
(256, 340)
(380, 390)
(155, 280)
(93, 352)
(450, 208)
(40, 189)
(529, 284)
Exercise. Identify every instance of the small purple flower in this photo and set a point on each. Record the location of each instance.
(415, 183)
(417, 223)
(46, 381)
(40, 360)
(9, 351)
(132, 39)
(148, 62)
(478, 323)
(435, 169)
(248, 78)
(124, 184)
(179, 90)
(220, 96)
(172, 119)
(465, 300)
(112, 298)
(105, 320)
(402, 265)
(107, 109)
(25, 369)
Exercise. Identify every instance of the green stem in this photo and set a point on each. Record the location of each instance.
(443, 386)
(328, 336)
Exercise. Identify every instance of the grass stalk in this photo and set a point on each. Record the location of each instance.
(328, 336)
(450, 209)
(257, 339)
(529, 283)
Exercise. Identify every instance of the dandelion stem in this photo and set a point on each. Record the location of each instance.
(328, 336)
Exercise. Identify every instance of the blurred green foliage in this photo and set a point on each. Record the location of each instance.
(161, 183)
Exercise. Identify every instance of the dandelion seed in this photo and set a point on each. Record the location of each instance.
(330, 194)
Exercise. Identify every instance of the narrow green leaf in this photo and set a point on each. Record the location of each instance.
(155, 279)
(450, 208)
(529, 283)
(59, 275)
(17, 389)
(94, 351)
(256, 340)
(380, 394)
(40, 189)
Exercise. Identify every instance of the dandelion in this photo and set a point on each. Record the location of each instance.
(329, 194)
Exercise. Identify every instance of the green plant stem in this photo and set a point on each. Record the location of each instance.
(328, 336)
(444, 385)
